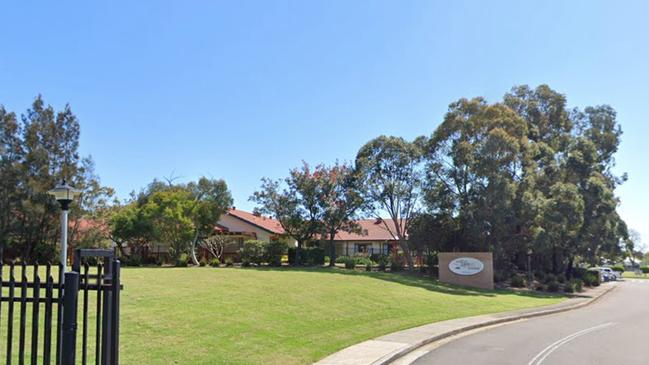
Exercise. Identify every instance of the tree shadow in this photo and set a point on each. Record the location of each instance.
(414, 280)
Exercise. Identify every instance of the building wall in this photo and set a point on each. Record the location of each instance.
(237, 225)
(351, 248)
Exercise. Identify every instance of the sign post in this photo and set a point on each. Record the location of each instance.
(474, 269)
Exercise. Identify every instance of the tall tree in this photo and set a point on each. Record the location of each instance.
(293, 201)
(391, 177)
(339, 199)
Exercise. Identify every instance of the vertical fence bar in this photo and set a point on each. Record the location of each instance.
(10, 312)
(98, 319)
(23, 315)
(115, 282)
(47, 335)
(106, 315)
(1, 286)
(69, 327)
(35, 315)
(84, 337)
(59, 315)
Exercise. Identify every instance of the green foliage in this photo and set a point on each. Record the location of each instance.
(591, 278)
(619, 268)
(182, 260)
(215, 262)
(382, 266)
(396, 264)
(350, 263)
(553, 286)
(391, 177)
(645, 269)
(229, 262)
(274, 251)
(252, 252)
(132, 260)
(202, 262)
(368, 267)
(517, 281)
(310, 256)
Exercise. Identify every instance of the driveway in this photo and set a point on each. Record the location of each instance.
(613, 330)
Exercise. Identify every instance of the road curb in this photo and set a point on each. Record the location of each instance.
(401, 353)
(388, 348)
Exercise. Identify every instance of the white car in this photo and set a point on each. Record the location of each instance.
(608, 274)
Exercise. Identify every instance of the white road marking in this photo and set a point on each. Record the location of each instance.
(541, 356)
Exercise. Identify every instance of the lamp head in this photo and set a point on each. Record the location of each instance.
(64, 194)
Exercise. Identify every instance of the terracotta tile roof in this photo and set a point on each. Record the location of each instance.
(372, 230)
(269, 224)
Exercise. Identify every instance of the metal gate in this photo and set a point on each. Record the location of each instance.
(51, 317)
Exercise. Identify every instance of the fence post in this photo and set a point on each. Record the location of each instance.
(116, 287)
(69, 326)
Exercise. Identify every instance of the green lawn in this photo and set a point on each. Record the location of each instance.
(280, 316)
(249, 316)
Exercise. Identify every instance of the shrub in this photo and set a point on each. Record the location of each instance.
(229, 262)
(382, 266)
(350, 263)
(341, 259)
(591, 278)
(618, 268)
(273, 252)
(561, 278)
(362, 260)
(182, 260)
(309, 256)
(215, 262)
(133, 260)
(368, 267)
(517, 281)
(202, 262)
(539, 275)
(539, 287)
(577, 284)
(245, 263)
(645, 269)
(252, 252)
(549, 278)
(396, 264)
(569, 287)
(553, 287)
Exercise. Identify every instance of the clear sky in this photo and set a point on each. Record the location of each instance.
(242, 90)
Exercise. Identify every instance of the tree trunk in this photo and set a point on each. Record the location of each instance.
(297, 253)
(193, 250)
(406, 252)
(332, 253)
(569, 268)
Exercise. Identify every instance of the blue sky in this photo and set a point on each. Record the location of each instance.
(242, 90)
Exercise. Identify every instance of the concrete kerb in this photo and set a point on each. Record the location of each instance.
(401, 349)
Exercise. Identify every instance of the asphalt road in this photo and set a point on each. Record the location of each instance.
(613, 330)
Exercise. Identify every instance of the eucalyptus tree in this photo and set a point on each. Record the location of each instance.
(391, 177)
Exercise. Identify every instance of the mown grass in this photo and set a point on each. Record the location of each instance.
(281, 316)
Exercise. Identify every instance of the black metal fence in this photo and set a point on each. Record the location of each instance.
(51, 317)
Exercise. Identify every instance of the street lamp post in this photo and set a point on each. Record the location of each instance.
(64, 194)
(529, 267)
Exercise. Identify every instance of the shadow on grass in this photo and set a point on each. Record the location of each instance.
(403, 278)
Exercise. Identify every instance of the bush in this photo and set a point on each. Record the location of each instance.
(561, 278)
(553, 287)
(539, 275)
(368, 267)
(577, 284)
(396, 264)
(382, 266)
(591, 278)
(549, 278)
(133, 260)
(618, 268)
(215, 262)
(202, 262)
(182, 260)
(309, 256)
(252, 252)
(517, 281)
(245, 263)
(569, 287)
(229, 262)
(350, 263)
(341, 259)
(645, 269)
(273, 252)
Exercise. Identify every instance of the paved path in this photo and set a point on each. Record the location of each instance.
(610, 331)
